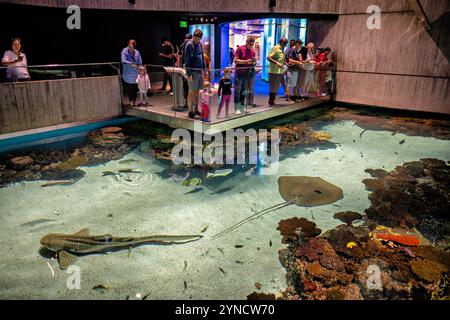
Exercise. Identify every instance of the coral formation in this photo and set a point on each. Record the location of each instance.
(326, 268)
(295, 228)
(348, 217)
(415, 194)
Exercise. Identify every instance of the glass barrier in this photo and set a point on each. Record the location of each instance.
(58, 71)
(222, 94)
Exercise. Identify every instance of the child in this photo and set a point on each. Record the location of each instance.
(143, 82)
(206, 96)
(224, 93)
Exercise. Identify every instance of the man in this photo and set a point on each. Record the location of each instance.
(195, 70)
(276, 58)
(245, 60)
(168, 56)
(294, 61)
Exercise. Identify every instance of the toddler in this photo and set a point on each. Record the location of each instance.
(143, 82)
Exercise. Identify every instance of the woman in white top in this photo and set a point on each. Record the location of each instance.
(16, 61)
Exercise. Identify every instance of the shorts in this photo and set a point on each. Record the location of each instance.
(292, 78)
(196, 84)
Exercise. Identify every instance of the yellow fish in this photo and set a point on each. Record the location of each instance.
(350, 245)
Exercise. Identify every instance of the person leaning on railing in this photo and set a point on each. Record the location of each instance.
(131, 60)
(16, 62)
(276, 58)
(194, 62)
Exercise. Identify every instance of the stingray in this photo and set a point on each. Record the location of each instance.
(301, 191)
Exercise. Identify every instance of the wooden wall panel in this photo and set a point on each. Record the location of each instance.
(37, 104)
(238, 6)
(400, 66)
(402, 46)
(360, 6)
(399, 92)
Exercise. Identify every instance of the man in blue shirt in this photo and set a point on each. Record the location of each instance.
(195, 69)
(131, 60)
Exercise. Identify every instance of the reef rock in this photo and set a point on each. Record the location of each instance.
(348, 217)
(21, 162)
(415, 194)
(428, 270)
(295, 228)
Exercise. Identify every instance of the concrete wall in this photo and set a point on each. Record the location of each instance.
(38, 104)
(400, 66)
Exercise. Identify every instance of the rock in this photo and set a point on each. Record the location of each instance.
(428, 270)
(261, 296)
(414, 195)
(294, 228)
(321, 136)
(348, 217)
(111, 130)
(21, 162)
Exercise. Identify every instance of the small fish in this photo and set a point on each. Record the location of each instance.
(350, 245)
(128, 171)
(100, 288)
(192, 182)
(221, 251)
(238, 246)
(354, 141)
(36, 222)
(396, 153)
(58, 183)
(128, 161)
(318, 191)
(185, 265)
(205, 227)
(185, 286)
(258, 285)
(194, 191)
(270, 243)
(108, 173)
(223, 271)
(223, 190)
(219, 173)
(239, 262)
(402, 142)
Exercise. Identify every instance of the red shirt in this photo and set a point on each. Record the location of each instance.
(244, 53)
(322, 57)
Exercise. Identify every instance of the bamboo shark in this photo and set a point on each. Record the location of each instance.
(67, 245)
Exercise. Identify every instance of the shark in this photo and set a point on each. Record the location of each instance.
(68, 246)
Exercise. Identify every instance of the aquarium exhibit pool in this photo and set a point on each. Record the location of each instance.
(135, 191)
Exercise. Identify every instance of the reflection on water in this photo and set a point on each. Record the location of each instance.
(119, 181)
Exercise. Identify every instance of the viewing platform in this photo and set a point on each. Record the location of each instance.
(159, 110)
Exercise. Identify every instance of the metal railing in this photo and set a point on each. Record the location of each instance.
(61, 71)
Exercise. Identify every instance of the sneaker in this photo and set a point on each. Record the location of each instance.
(197, 113)
(171, 93)
(191, 115)
(238, 111)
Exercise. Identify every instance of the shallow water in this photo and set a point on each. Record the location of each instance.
(152, 203)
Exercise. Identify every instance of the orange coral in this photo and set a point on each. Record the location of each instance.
(400, 239)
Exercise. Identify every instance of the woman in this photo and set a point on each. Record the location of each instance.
(131, 60)
(16, 62)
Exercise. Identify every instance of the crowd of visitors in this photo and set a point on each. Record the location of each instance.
(302, 71)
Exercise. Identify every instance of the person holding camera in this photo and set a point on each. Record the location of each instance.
(16, 62)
